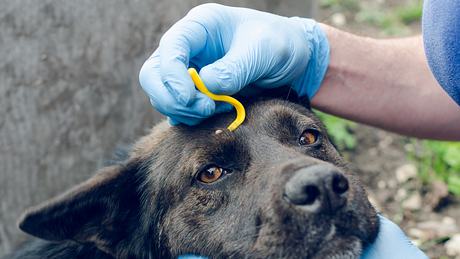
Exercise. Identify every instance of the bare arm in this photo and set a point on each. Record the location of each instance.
(387, 84)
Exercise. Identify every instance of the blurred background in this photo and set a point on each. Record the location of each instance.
(69, 96)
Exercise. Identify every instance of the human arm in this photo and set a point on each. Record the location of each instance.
(386, 83)
(231, 54)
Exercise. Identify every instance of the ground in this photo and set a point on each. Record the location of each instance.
(425, 207)
(380, 158)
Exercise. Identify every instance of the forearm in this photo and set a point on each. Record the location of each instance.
(388, 84)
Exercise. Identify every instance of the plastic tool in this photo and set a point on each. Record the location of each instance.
(240, 112)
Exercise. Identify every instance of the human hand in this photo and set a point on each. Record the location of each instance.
(391, 242)
(232, 48)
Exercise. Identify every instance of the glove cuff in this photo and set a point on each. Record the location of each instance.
(309, 84)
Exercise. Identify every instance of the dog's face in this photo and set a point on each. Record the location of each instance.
(275, 187)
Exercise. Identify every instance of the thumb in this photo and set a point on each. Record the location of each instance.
(233, 71)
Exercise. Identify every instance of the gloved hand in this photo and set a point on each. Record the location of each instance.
(232, 48)
(391, 242)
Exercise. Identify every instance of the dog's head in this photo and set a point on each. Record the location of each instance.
(275, 187)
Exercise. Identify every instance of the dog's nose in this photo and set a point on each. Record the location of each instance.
(317, 188)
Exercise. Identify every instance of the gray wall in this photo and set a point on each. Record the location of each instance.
(69, 91)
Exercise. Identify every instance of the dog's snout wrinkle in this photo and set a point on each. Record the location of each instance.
(317, 188)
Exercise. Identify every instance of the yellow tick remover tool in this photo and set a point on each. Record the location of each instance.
(240, 112)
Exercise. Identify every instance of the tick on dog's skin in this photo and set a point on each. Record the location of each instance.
(274, 188)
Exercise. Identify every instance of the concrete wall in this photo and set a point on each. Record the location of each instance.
(69, 91)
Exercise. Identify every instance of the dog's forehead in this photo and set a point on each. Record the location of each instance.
(272, 112)
(262, 112)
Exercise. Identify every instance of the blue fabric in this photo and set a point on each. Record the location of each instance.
(391, 242)
(441, 36)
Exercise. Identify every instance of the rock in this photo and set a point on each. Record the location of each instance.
(338, 19)
(438, 196)
(391, 183)
(373, 151)
(381, 184)
(409, 148)
(453, 246)
(419, 234)
(401, 194)
(405, 172)
(448, 221)
(414, 202)
(386, 141)
(435, 229)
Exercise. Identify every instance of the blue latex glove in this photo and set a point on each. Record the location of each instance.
(232, 47)
(391, 242)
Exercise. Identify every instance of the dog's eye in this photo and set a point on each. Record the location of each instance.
(308, 137)
(211, 174)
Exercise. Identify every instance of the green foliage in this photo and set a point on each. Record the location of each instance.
(438, 160)
(341, 5)
(385, 21)
(434, 159)
(389, 20)
(340, 130)
(410, 13)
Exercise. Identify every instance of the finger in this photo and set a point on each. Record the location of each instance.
(183, 40)
(243, 64)
(189, 116)
(201, 108)
(223, 107)
(149, 77)
(179, 119)
(173, 122)
(227, 75)
(184, 120)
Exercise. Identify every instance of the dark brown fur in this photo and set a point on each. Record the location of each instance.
(152, 206)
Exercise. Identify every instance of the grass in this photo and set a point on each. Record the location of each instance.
(340, 131)
(393, 21)
(437, 160)
(341, 5)
(434, 159)
(410, 13)
(390, 21)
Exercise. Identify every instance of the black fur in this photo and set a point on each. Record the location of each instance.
(153, 206)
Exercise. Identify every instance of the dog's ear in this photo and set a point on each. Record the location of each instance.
(102, 210)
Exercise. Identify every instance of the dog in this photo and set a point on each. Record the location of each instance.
(276, 187)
